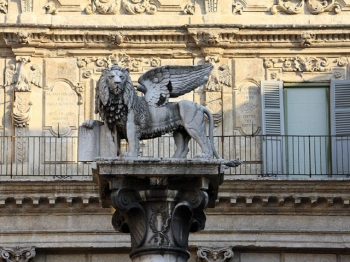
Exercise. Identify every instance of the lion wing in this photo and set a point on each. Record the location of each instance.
(162, 82)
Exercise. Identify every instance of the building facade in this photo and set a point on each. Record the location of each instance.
(279, 93)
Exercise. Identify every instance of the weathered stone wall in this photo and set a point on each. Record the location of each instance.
(52, 54)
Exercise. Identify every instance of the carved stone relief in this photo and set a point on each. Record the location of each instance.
(208, 254)
(3, 6)
(189, 9)
(247, 106)
(239, 6)
(208, 37)
(133, 7)
(51, 8)
(220, 76)
(109, 7)
(22, 37)
(306, 39)
(313, 6)
(119, 38)
(20, 77)
(316, 68)
(121, 59)
(62, 107)
(17, 254)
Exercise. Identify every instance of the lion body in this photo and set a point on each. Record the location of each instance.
(129, 116)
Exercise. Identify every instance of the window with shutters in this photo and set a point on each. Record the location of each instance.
(306, 128)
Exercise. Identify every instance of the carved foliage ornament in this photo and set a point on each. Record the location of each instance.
(3, 6)
(18, 254)
(214, 254)
(304, 64)
(314, 6)
(109, 7)
(134, 7)
(119, 38)
(121, 59)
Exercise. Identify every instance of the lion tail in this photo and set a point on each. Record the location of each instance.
(211, 131)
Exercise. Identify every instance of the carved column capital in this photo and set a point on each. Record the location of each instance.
(209, 254)
(17, 254)
(159, 202)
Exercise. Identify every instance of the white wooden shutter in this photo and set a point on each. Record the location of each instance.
(273, 127)
(340, 126)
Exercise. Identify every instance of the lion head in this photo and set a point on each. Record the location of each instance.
(114, 95)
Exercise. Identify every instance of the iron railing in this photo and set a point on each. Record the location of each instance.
(38, 157)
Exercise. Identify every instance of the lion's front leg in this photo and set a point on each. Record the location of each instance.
(132, 132)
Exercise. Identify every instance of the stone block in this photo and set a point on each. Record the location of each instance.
(261, 257)
(344, 258)
(290, 257)
(110, 257)
(67, 257)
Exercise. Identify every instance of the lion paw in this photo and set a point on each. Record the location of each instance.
(90, 124)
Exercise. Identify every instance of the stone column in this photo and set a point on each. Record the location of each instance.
(159, 202)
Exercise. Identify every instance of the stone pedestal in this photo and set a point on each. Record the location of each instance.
(159, 202)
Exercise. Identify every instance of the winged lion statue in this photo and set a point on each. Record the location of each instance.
(134, 118)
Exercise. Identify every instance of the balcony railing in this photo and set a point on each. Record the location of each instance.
(38, 157)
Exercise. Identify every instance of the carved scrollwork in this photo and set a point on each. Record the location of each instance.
(3, 6)
(159, 223)
(214, 254)
(342, 61)
(189, 9)
(299, 64)
(289, 6)
(134, 7)
(317, 7)
(196, 198)
(109, 7)
(18, 254)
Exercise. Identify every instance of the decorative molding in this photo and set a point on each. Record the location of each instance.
(18, 254)
(51, 8)
(306, 39)
(22, 37)
(300, 64)
(290, 7)
(317, 7)
(189, 9)
(3, 6)
(209, 254)
(121, 59)
(105, 7)
(133, 7)
(119, 38)
(211, 37)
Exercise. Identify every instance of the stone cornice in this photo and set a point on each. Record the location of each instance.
(268, 194)
(37, 193)
(186, 36)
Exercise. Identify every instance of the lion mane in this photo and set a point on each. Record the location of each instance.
(117, 107)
